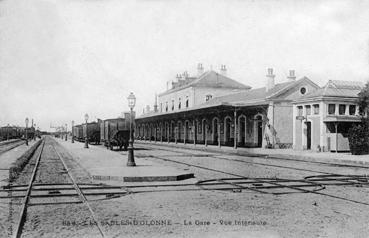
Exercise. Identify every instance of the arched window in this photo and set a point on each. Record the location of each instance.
(166, 106)
(186, 101)
(172, 105)
(179, 103)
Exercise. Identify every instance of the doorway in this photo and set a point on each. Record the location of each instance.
(308, 135)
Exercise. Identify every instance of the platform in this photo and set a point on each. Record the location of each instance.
(140, 173)
(106, 165)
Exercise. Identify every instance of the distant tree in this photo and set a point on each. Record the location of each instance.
(359, 134)
(363, 100)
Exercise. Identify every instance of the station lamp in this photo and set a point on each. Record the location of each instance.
(86, 138)
(26, 130)
(131, 104)
(72, 131)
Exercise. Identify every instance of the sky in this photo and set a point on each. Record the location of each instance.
(62, 59)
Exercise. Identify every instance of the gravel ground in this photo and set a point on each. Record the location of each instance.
(204, 213)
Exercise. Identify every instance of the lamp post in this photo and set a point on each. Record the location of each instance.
(34, 134)
(26, 130)
(131, 104)
(66, 131)
(72, 132)
(86, 138)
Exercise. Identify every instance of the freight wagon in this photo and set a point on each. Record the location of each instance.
(10, 132)
(78, 133)
(93, 132)
(115, 132)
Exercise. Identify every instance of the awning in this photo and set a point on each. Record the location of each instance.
(342, 118)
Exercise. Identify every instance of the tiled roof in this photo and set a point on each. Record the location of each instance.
(336, 88)
(211, 79)
(341, 84)
(253, 95)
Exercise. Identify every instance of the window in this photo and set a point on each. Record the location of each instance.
(208, 97)
(179, 103)
(172, 105)
(186, 101)
(352, 109)
(302, 90)
(299, 110)
(342, 109)
(316, 109)
(308, 109)
(331, 109)
(166, 106)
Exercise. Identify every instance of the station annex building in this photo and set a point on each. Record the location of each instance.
(213, 109)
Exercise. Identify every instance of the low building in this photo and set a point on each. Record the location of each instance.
(224, 112)
(323, 117)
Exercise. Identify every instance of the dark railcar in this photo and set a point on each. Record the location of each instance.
(78, 133)
(10, 132)
(115, 132)
(93, 132)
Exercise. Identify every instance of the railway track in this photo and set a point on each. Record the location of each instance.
(260, 184)
(267, 161)
(41, 163)
(9, 146)
(65, 189)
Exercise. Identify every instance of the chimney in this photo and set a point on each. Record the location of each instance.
(291, 77)
(156, 103)
(270, 80)
(223, 70)
(200, 70)
(176, 82)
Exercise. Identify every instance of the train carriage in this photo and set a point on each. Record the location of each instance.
(115, 132)
(93, 132)
(78, 133)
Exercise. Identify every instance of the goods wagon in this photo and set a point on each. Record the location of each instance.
(78, 133)
(93, 132)
(115, 132)
(10, 132)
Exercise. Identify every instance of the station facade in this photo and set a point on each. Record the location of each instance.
(323, 117)
(213, 109)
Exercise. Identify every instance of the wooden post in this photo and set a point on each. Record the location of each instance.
(175, 134)
(205, 134)
(150, 133)
(194, 132)
(336, 127)
(235, 129)
(185, 133)
(218, 132)
(168, 133)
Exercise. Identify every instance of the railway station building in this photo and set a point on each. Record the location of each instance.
(323, 117)
(211, 108)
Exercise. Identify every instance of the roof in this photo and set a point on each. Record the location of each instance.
(254, 96)
(210, 79)
(336, 88)
(341, 84)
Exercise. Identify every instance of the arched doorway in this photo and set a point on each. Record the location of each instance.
(227, 131)
(187, 132)
(242, 130)
(259, 130)
(180, 131)
(215, 131)
(172, 131)
(204, 130)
